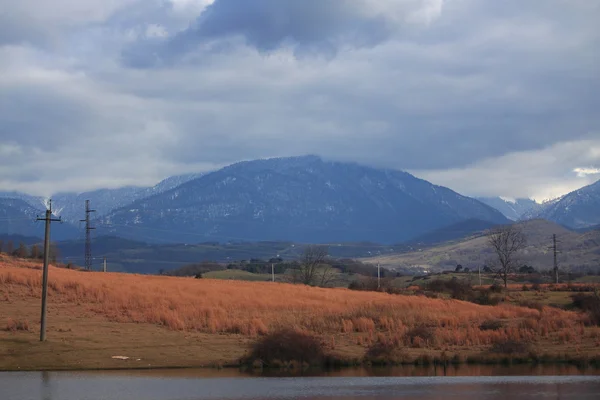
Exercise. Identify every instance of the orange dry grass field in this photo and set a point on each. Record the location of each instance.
(348, 320)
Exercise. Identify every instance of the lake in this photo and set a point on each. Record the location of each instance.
(463, 382)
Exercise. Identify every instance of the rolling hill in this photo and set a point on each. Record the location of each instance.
(578, 251)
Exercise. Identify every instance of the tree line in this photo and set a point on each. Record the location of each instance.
(314, 267)
(34, 252)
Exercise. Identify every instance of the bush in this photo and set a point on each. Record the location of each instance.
(484, 298)
(287, 345)
(511, 347)
(385, 352)
(531, 304)
(16, 325)
(458, 290)
(495, 288)
(491, 325)
(419, 333)
(367, 284)
(589, 304)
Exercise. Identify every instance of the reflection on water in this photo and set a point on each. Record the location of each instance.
(404, 370)
(409, 382)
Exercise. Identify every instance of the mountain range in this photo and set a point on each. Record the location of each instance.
(579, 209)
(301, 199)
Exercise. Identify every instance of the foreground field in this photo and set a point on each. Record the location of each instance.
(166, 321)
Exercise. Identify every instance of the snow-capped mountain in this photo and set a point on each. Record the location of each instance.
(71, 206)
(301, 199)
(168, 184)
(18, 217)
(578, 209)
(512, 209)
(37, 202)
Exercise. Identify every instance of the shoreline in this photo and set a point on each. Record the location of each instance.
(341, 365)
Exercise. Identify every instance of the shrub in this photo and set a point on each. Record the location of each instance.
(511, 347)
(419, 333)
(484, 298)
(458, 290)
(531, 304)
(16, 325)
(525, 288)
(495, 288)
(384, 352)
(589, 304)
(287, 345)
(536, 286)
(367, 284)
(491, 325)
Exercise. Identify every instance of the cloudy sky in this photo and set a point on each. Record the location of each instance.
(486, 97)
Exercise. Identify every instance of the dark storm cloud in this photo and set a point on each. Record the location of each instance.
(267, 24)
(309, 26)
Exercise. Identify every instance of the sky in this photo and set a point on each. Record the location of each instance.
(489, 98)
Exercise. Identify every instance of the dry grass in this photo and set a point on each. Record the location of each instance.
(250, 309)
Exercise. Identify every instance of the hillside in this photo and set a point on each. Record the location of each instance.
(577, 251)
(167, 322)
(460, 230)
(301, 199)
(578, 209)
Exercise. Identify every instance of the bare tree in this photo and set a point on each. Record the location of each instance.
(313, 257)
(327, 274)
(506, 241)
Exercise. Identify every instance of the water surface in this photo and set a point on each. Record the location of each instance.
(465, 383)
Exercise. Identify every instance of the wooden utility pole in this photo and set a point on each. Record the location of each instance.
(273, 272)
(104, 265)
(48, 219)
(378, 277)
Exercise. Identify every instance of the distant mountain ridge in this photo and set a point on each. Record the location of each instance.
(71, 206)
(17, 217)
(303, 199)
(513, 210)
(576, 210)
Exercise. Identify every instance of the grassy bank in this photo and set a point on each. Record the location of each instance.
(159, 321)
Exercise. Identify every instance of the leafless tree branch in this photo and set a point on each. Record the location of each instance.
(506, 241)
